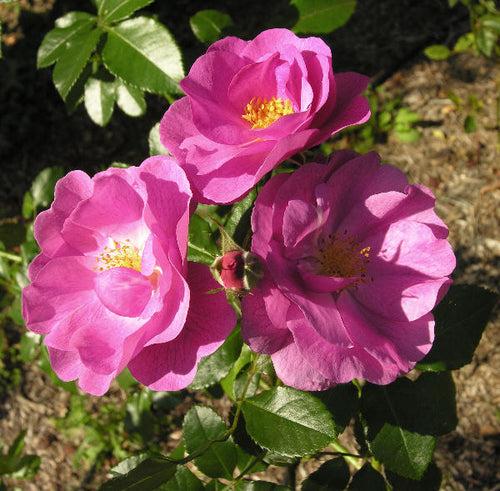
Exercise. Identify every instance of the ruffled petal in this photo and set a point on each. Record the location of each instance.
(172, 365)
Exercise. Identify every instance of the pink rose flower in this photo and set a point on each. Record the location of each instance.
(356, 259)
(112, 288)
(252, 104)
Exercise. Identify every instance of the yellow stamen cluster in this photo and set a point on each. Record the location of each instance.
(342, 256)
(121, 255)
(261, 113)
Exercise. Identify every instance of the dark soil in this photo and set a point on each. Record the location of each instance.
(384, 39)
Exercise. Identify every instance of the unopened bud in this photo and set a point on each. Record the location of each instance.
(237, 270)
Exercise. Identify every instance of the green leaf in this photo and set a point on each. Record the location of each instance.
(28, 207)
(403, 452)
(407, 135)
(460, 318)
(406, 116)
(425, 406)
(128, 464)
(216, 366)
(431, 480)
(17, 447)
(437, 52)
(201, 426)
(42, 188)
(342, 402)
(72, 17)
(201, 247)
(333, 475)
(322, 16)
(76, 94)
(244, 458)
(491, 21)
(143, 53)
(486, 39)
(100, 100)
(56, 42)
(154, 141)
(73, 61)
(238, 211)
(368, 479)
(183, 480)
(464, 42)
(27, 467)
(130, 99)
(470, 125)
(207, 25)
(288, 421)
(149, 474)
(114, 10)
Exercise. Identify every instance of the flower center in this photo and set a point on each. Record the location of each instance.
(261, 113)
(342, 256)
(119, 255)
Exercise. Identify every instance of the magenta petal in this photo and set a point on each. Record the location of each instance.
(263, 213)
(60, 287)
(177, 125)
(324, 284)
(231, 44)
(73, 188)
(336, 363)
(97, 350)
(294, 370)
(279, 39)
(371, 332)
(113, 211)
(165, 217)
(318, 308)
(124, 291)
(167, 366)
(36, 265)
(402, 296)
(207, 85)
(172, 365)
(66, 364)
(94, 383)
(235, 178)
(210, 317)
(264, 318)
(169, 322)
(351, 108)
(408, 247)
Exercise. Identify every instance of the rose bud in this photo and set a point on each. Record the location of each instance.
(237, 270)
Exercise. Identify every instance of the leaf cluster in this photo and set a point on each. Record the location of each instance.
(482, 37)
(111, 58)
